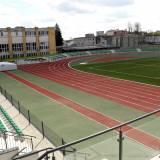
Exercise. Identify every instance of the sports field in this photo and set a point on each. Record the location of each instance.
(75, 104)
(145, 70)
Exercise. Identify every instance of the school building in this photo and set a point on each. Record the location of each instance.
(20, 42)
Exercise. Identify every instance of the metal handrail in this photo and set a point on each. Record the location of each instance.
(23, 135)
(60, 148)
(30, 154)
(19, 152)
(98, 134)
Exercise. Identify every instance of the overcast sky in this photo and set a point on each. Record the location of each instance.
(77, 17)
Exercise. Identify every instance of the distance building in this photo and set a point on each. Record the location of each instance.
(152, 39)
(20, 42)
(88, 40)
(99, 33)
(117, 39)
(110, 39)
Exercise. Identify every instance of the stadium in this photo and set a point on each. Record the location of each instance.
(86, 105)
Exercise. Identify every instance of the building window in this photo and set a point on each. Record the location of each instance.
(30, 33)
(43, 33)
(17, 47)
(16, 34)
(31, 46)
(43, 45)
(4, 48)
(1, 33)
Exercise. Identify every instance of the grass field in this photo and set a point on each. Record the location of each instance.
(145, 70)
(72, 125)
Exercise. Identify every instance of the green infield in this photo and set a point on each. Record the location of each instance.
(145, 70)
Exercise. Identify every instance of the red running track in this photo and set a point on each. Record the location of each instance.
(135, 134)
(140, 96)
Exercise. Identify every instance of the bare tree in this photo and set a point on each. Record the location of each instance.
(130, 27)
(137, 27)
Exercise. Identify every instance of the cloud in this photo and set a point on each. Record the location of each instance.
(47, 20)
(108, 20)
(87, 15)
(122, 14)
(72, 8)
(109, 3)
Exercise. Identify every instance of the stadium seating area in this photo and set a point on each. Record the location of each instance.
(86, 53)
(2, 127)
(12, 140)
(6, 116)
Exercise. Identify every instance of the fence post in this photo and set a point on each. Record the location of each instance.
(42, 129)
(63, 151)
(5, 94)
(19, 107)
(11, 100)
(32, 143)
(5, 139)
(120, 140)
(53, 157)
(46, 157)
(29, 118)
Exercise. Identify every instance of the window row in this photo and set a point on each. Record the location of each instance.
(30, 33)
(31, 46)
(27, 33)
(16, 34)
(19, 46)
(4, 56)
(43, 45)
(33, 33)
(4, 48)
(2, 33)
(43, 33)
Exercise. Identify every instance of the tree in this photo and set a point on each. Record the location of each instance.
(137, 27)
(130, 27)
(59, 39)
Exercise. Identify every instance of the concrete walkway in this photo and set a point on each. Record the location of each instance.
(39, 142)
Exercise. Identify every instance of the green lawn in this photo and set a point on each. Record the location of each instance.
(145, 70)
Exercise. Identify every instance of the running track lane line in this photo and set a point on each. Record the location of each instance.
(124, 101)
(135, 134)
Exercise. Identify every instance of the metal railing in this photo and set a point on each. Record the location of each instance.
(63, 147)
(10, 140)
(52, 136)
(119, 128)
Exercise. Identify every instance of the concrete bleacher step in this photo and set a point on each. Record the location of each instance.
(31, 157)
(8, 154)
(156, 157)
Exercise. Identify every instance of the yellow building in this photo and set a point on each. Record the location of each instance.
(20, 42)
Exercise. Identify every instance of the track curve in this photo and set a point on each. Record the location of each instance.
(140, 96)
